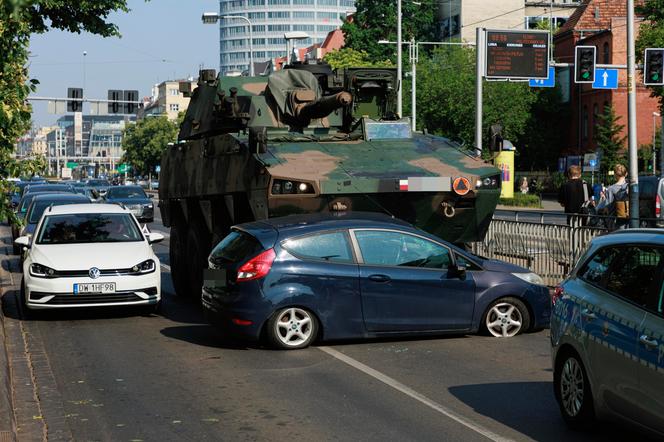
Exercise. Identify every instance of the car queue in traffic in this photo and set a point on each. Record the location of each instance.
(301, 279)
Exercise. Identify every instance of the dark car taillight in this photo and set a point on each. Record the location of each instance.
(557, 293)
(658, 206)
(257, 267)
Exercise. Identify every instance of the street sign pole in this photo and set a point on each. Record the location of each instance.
(479, 52)
(631, 120)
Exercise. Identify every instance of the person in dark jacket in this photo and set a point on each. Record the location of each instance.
(572, 195)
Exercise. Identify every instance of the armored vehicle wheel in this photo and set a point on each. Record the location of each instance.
(178, 259)
(198, 249)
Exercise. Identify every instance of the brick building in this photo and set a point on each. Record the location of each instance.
(600, 23)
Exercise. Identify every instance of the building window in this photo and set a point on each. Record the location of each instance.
(347, 3)
(304, 14)
(258, 28)
(303, 2)
(278, 14)
(256, 16)
(256, 2)
(276, 41)
(606, 54)
(173, 91)
(327, 15)
(278, 28)
(323, 28)
(304, 28)
(532, 22)
(327, 2)
(174, 107)
(595, 115)
(259, 41)
(278, 2)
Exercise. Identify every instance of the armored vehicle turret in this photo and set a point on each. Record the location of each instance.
(308, 139)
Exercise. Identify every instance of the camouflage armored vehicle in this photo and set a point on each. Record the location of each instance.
(305, 140)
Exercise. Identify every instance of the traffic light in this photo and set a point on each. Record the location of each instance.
(114, 97)
(74, 106)
(653, 67)
(584, 64)
(130, 108)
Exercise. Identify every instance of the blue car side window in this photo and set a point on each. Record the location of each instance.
(330, 246)
(596, 269)
(399, 249)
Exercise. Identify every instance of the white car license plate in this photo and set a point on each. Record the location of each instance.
(95, 287)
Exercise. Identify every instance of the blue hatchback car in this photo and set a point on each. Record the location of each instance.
(305, 277)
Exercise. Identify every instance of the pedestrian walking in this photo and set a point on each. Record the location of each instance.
(575, 196)
(615, 200)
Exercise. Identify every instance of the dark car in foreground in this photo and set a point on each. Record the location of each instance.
(41, 202)
(133, 198)
(607, 332)
(100, 185)
(305, 277)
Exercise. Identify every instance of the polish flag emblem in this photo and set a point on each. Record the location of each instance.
(403, 184)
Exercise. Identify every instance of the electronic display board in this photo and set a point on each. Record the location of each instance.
(517, 54)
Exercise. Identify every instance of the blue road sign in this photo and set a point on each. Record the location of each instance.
(158, 169)
(549, 81)
(606, 79)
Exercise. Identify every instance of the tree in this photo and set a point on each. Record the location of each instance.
(610, 139)
(446, 98)
(349, 57)
(376, 20)
(18, 20)
(145, 141)
(651, 35)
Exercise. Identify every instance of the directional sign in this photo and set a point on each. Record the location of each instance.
(550, 81)
(606, 79)
(517, 54)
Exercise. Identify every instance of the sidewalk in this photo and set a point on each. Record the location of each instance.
(549, 204)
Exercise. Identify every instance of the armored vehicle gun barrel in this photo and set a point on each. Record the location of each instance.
(308, 108)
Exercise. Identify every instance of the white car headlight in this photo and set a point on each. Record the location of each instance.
(530, 277)
(144, 267)
(41, 271)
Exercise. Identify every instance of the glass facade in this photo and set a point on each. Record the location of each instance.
(270, 19)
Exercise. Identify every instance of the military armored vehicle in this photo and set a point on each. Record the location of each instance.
(303, 140)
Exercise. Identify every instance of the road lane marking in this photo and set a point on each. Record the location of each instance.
(414, 394)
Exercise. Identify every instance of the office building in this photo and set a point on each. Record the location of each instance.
(270, 19)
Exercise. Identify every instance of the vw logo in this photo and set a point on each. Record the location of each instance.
(94, 273)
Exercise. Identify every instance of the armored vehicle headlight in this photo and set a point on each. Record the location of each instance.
(478, 183)
(288, 187)
(283, 187)
(487, 181)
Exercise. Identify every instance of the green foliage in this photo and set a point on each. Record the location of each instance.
(651, 35)
(609, 139)
(446, 98)
(18, 20)
(539, 146)
(558, 179)
(349, 57)
(377, 20)
(522, 200)
(145, 141)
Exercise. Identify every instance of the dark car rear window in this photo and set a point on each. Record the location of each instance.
(126, 192)
(40, 206)
(236, 247)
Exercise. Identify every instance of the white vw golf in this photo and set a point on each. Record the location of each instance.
(90, 255)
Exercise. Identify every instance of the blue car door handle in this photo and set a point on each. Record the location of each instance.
(379, 278)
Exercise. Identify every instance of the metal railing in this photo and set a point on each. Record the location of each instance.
(548, 243)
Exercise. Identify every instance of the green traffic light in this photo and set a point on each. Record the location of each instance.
(585, 75)
(655, 76)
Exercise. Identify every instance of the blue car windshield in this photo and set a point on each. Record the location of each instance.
(88, 228)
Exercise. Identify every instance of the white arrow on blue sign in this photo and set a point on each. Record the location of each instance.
(606, 79)
(549, 81)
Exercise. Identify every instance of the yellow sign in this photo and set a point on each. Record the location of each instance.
(505, 162)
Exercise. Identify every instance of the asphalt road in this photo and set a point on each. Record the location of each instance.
(123, 375)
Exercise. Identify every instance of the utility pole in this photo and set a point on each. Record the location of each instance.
(479, 51)
(413, 93)
(661, 147)
(399, 63)
(631, 120)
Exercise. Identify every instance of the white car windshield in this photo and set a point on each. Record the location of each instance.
(88, 228)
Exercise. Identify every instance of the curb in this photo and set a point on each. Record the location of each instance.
(7, 417)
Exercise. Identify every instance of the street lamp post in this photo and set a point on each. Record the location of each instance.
(212, 18)
(654, 140)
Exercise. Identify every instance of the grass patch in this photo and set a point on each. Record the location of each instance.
(522, 200)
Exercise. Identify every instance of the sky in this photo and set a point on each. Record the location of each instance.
(161, 40)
